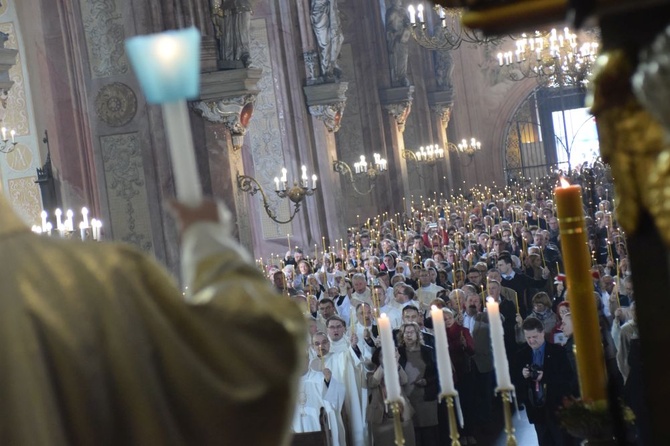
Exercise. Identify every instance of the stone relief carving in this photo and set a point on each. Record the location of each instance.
(329, 114)
(116, 104)
(104, 30)
(125, 182)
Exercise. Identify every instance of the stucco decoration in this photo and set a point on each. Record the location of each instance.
(126, 189)
(104, 30)
(116, 104)
(24, 195)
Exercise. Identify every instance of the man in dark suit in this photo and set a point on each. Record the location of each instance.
(542, 376)
(519, 282)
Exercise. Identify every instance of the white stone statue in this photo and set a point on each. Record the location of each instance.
(232, 20)
(325, 18)
(397, 38)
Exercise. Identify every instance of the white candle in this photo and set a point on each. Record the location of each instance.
(498, 342)
(59, 221)
(84, 216)
(388, 358)
(12, 133)
(444, 372)
(4, 134)
(182, 152)
(49, 228)
(68, 222)
(412, 14)
(43, 214)
(82, 231)
(313, 181)
(276, 183)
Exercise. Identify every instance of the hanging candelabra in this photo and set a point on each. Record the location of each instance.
(554, 58)
(86, 229)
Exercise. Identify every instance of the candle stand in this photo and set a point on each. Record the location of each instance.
(397, 423)
(453, 427)
(507, 410)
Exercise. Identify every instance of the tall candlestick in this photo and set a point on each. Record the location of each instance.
(498, 343)
(444, 371)
(391, 378)
(588, 346)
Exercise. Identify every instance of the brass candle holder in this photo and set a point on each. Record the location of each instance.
(397, 423)
(507, 410)
(453, 427)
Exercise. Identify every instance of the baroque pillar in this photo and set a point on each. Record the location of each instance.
(226, 105)
(441, 103)
(398, 104)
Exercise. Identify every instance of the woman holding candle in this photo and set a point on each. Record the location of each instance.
(461, 350)
(378, 414)
(418, 362)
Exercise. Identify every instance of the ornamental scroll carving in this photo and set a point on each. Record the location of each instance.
(400, 111)
(234, 113)
(330, 114)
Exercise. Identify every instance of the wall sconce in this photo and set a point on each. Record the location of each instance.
(362, 168)
(467, 148)
(428, 155)
(296, 193)
(5, 145)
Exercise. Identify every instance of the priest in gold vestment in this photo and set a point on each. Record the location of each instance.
(99, 347)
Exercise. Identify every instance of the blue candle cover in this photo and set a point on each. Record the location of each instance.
(167, 64)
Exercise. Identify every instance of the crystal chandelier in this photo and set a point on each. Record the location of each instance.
(555, 59)
(448, 34)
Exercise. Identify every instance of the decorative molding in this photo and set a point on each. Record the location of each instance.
(105, 33)
(444, 113)
(116, 104)
(441, 102)
(398, 103)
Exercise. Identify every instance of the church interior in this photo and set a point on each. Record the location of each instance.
(315, 120)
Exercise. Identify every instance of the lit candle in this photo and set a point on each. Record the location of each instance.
(313, 181)
(4, 134)
(168, 69)
(498, 343)
(391, 378)
(43, 214)
(588, 346)
(84, 216)
(444, 371)
(82, 231)
(68, 221)
(276, 183)
(412, 14)
(59, 221)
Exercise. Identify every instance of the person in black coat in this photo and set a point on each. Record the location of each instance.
(542, 376)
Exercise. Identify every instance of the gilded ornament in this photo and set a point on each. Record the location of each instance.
(632, 142)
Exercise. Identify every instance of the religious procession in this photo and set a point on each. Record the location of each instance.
(450, 258)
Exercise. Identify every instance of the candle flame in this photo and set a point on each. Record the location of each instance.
(564, 182)
(490, 299)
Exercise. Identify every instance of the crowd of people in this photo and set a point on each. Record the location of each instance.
(453, 256)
